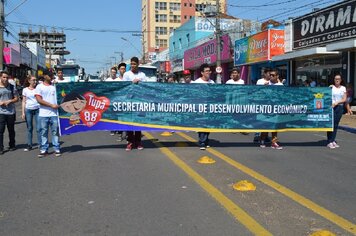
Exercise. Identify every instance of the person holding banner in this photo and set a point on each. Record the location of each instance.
(274, 80)
(48, 116)
(338, 93)
(135, 76)
(204, 79)
(235, 77)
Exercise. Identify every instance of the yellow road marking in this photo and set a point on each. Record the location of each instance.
(338, 220)
(238, 213)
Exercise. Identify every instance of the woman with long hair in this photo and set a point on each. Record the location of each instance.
(338, 99)
(30, 110)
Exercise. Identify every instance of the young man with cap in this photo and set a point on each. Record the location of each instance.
(135, 76)
(187, 78)
(235, 77)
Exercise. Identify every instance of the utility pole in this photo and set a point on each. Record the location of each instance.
(2, 28)
(218, 41)
(121, 56)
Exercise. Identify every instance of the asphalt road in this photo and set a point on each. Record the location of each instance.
(97, 188)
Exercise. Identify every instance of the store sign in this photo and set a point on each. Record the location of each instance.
(11, 57)
(177, 65)
(206, 53)
(335, 23)
(259, 47)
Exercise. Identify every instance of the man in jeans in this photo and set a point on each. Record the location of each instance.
(48, 116)
(8, 97)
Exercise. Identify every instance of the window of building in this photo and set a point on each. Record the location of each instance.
(161, 42)
(180, 43)
(188, 38)
(185, 17)
(161, 18)
(174, 19)
(200, 7)
(161, 30)
(174, 46)
(174, 6)
(185, 4)
(160, 6)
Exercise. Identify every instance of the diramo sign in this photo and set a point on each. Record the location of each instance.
(335, 23)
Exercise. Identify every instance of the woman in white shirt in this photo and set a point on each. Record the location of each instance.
(338, 100)
(30, 110)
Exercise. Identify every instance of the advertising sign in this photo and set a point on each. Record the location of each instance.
(334, 23)
(11, 57)
(206, 53)
(259, 47)
(25, 56)
(213, 107)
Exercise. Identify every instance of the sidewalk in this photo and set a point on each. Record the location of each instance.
(348, 123)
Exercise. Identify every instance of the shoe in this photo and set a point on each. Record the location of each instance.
(267, 140)
(12, 148)
(276, 146)
(42, 154)
(336, 145)
(331, 146)
(112, 133)
(207, 146)
(256, 139)
(57, 153)
(139, 147)
(29, 148)
(262, 144)
(129, 147)
(202, 148)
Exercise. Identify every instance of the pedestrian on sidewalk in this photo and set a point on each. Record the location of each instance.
(48, 116)
(135, 76)
(8, 97)
(204, 79)
(350, 95)
(30, 110)
(338, 92)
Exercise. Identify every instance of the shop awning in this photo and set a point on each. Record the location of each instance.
(343, 45)
(304, 53)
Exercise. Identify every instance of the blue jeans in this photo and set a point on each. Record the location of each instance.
(49, 123)
(31, 115)
(338, 111)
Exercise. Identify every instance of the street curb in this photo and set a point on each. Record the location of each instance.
(348, 129)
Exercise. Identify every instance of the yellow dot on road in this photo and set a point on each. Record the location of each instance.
(206, 160)
(322, 233)
(166, 134)
(244, 185)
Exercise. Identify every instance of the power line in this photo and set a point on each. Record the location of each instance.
(262, 5)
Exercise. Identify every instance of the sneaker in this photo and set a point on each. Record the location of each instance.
(12, 148)
(207, 146)
(112, 133)
(139, 147)
(276, 146)
(202, 148)
(267, 140)
(336, 145)
(256, 139)
(331, 146)
(57, 153)
(262, 144)
(29, 148)
(42, 154)
(129, 147)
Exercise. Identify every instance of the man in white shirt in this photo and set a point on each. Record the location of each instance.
(59, 78)
(204, 79)
(266, 77)
(48, 116)
(235, 77)
(135, 76)
(113, 76)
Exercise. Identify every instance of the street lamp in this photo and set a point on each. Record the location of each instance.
(114, 60)
(132, 45)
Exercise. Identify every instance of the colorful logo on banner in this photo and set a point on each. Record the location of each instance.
(85, 109)
(194, 107)
(259, 47)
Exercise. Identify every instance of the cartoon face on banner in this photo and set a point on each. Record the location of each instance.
(87, 108)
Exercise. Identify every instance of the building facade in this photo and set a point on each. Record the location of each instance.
(160, 17)
(52, 42)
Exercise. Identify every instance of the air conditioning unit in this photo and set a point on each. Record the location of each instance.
(157, 48)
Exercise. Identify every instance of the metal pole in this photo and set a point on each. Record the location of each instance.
(218, 41)
(2, 28)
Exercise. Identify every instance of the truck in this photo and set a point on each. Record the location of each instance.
(72, 72)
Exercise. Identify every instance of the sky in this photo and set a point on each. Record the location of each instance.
(95, 29)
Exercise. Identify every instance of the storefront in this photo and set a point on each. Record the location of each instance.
(324, 43)
(254, 54)
(12, 60)
(206, 53)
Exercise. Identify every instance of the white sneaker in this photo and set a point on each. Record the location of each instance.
(336, 145)
(331, 146)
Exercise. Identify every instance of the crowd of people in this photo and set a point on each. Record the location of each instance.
(40, 108)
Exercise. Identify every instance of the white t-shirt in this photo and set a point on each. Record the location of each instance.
(129, 76)
(239, 81)
(201, 81)
(31, 102)
(338, 93)
(278, 83)
(111, 79)
(48, 94)
(262, 81)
